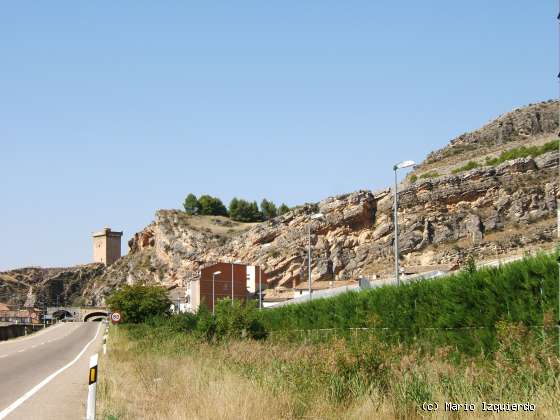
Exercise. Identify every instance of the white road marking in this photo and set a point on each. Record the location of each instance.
(45, 381)
(4, 355)
(21, 351)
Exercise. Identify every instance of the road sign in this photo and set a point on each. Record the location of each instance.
(115, 317)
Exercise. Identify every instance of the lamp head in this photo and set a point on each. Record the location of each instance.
(404, 164)
(216, 273)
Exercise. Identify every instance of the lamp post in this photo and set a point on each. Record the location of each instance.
(260, 288)
(313, 217)
(216, 273)
(402, 165)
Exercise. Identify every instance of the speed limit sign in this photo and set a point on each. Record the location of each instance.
(115, 317)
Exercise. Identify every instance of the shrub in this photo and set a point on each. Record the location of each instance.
(521, 152)
(413, 178)
(139, 303)
(467, 167)
(235, 321)
(205, 323)
(430, 174)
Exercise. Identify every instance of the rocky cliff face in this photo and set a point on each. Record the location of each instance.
(37, 287)
(490, 212)
(526, 126)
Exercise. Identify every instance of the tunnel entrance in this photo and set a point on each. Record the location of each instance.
(95, 316)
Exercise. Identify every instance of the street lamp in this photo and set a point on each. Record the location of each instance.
(214, 274)
(402, 165)
(260, 288)
(315, 216)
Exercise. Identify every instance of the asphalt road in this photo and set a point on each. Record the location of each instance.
(26, 363)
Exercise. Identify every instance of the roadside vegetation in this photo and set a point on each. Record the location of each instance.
(480, 335)
(239, 209)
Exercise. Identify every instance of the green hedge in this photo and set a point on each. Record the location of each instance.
(463, 308)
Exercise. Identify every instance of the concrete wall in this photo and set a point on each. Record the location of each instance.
(16, 330)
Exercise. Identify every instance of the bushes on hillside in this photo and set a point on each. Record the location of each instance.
(521, 152)
(244, 211)
(205, 205)
(268, 209)
(466, 167)
(283, 209)
(239, 210)
(211, 206)
(430, 174)
(191, 204)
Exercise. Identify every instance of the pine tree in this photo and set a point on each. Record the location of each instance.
(268, 209)
(283, 209)
(191, 204)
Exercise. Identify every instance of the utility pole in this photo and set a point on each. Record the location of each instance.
(216, 273)
(558, 207)
(404, 164)
(309, 264)
(396, 223)
(313, 217)
(260, 288)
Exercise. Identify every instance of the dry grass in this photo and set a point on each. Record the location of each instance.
(216, 225)
(172, 376)
(154, 386)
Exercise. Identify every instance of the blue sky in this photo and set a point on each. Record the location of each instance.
(111, 110)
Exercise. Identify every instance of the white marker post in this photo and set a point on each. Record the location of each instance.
(105, 344)
(92, 382)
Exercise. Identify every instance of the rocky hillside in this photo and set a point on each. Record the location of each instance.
(490, 211)
(36, 286)
(467, 198)
(528, 126)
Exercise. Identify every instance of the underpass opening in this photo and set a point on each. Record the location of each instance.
(95, 316)
(62, 314)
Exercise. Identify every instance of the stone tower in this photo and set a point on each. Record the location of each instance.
(106, 246)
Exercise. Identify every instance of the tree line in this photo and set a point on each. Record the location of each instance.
(239, 209)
